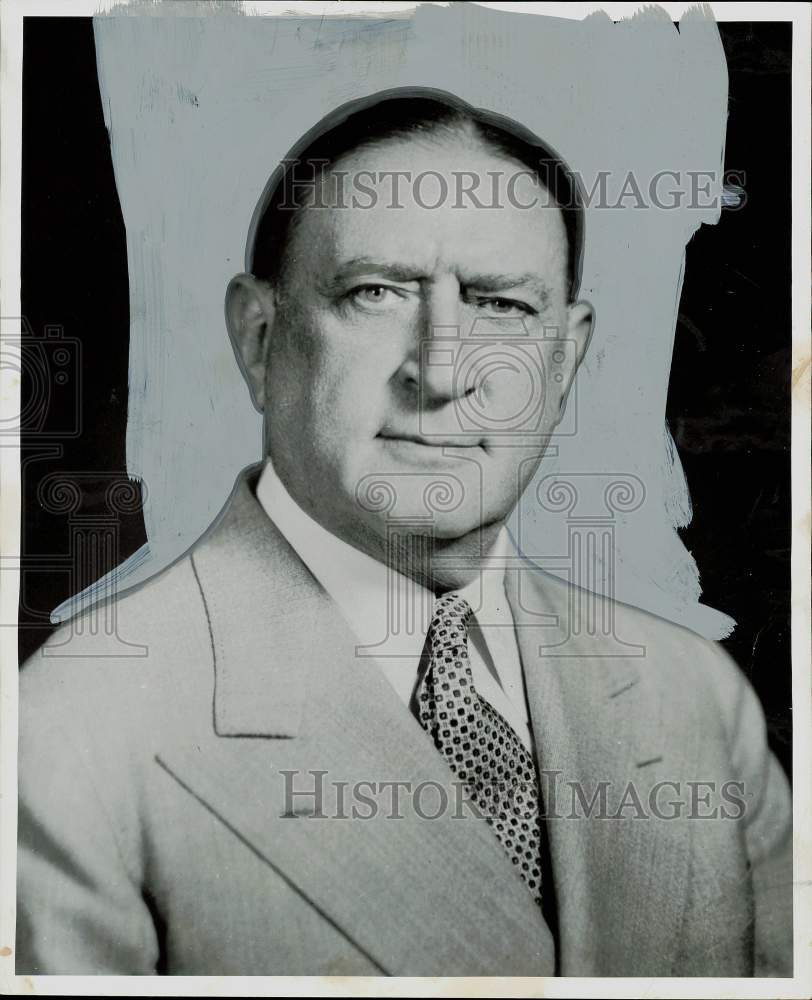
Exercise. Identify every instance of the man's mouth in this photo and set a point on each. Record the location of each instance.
(432, 440)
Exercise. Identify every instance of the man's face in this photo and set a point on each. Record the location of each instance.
(416, 358)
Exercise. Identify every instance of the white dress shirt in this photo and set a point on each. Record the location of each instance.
(390, 613)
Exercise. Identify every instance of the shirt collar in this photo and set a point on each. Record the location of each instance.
(388, 612)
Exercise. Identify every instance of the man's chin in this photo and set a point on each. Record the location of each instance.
(459, 531)
(454, 529)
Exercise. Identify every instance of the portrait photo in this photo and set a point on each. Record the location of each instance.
(405, 463)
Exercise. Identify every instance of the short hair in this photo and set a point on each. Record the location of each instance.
(399, 114)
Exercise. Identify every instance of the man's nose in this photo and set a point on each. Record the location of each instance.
(440, 343)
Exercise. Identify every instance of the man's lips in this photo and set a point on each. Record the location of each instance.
(431, 441)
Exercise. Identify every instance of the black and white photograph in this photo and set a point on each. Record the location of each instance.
(404, 451)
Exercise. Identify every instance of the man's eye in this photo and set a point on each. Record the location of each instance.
(373, 295)
(505, 307)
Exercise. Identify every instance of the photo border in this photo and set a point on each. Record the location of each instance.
(12, 13)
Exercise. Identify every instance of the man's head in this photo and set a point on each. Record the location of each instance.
(410, 329)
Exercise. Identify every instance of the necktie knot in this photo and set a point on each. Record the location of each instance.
(449, 624)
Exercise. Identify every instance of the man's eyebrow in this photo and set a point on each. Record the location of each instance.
(496, 282)
(367, 265)
(503, 282)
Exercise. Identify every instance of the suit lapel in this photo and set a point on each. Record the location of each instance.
(620, 882)
(420, 896)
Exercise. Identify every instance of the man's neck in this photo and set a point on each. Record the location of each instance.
(442, 564)
(437, 564)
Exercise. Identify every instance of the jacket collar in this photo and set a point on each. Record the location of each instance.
(597, 720)
(261, 603)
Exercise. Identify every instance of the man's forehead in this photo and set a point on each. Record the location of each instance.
(427, 213)
(433, 173)
(411, 253)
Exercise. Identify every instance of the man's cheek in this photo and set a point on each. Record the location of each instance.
(341, 420)
(354, 384)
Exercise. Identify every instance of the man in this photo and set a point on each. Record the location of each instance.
(368, 736)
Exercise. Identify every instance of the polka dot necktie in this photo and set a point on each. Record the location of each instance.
(479, 745)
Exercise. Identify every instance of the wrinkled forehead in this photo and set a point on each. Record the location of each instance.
(435, 201)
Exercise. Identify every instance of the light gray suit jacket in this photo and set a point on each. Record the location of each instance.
(152, 834)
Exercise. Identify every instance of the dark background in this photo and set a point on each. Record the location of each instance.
(728, 405)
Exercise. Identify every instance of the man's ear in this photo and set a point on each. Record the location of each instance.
(580, 323)
(250, 310)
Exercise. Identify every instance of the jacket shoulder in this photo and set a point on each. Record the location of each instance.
(670, 659)
(133, 649)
